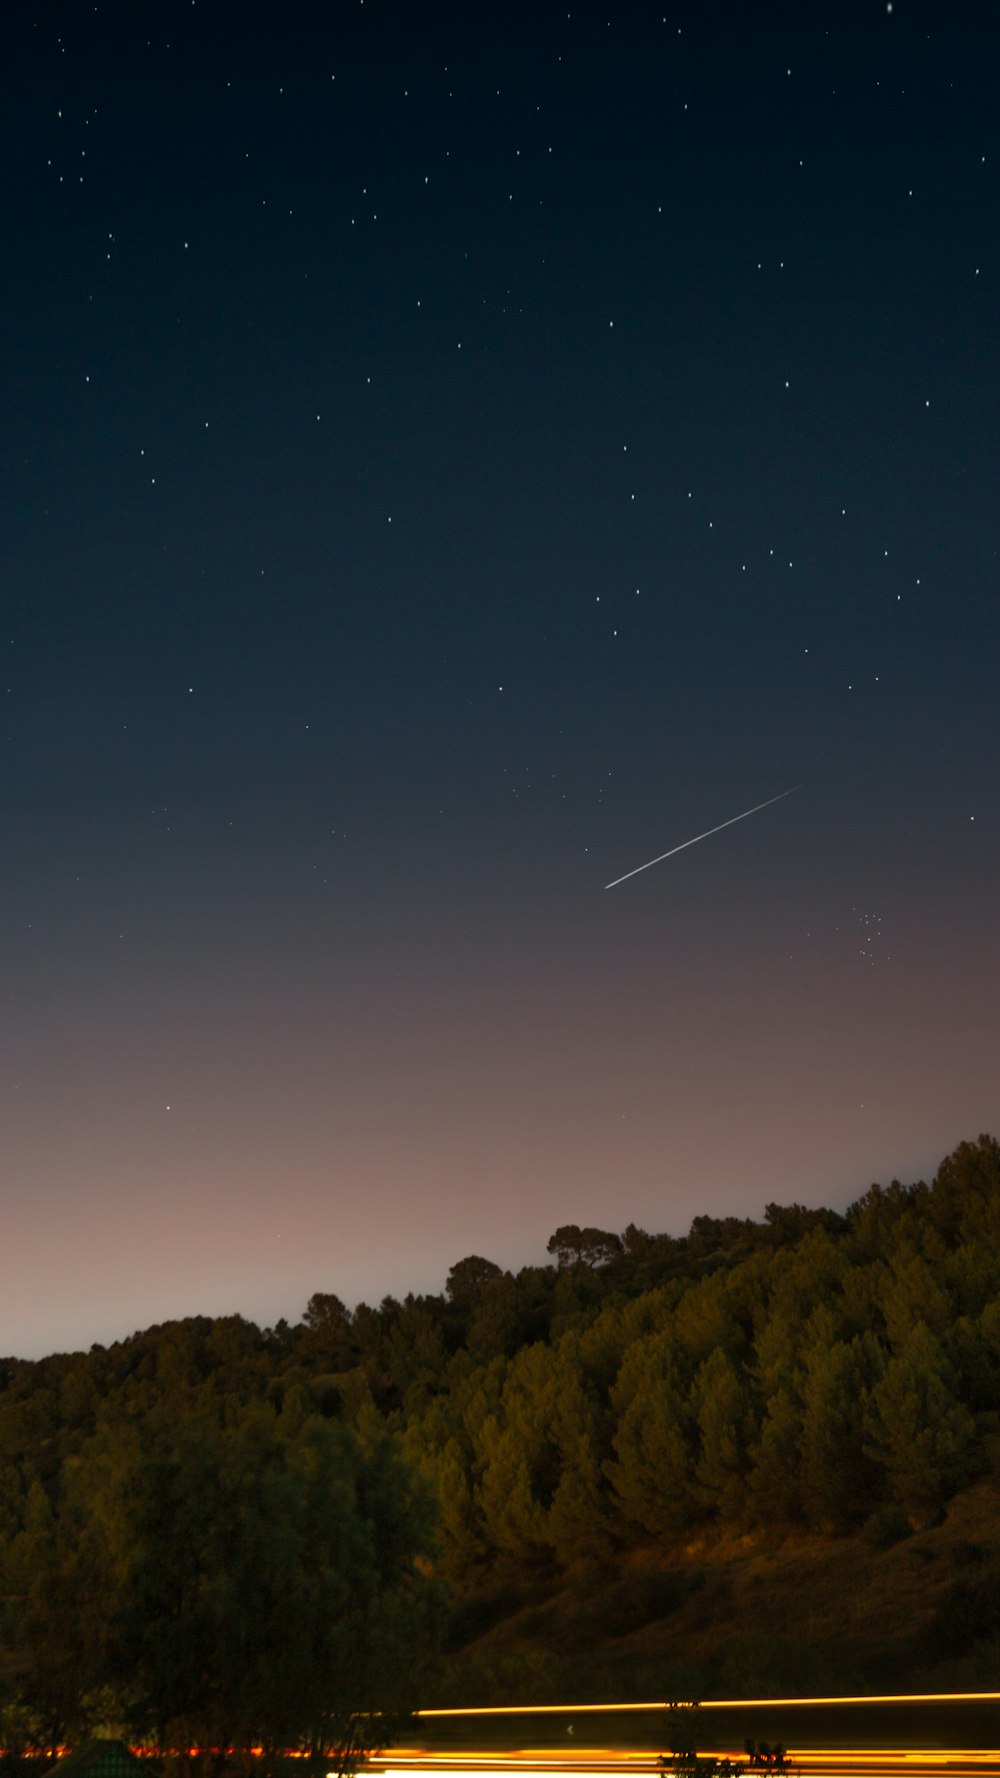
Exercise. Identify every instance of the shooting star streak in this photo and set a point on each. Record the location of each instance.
(701, 836)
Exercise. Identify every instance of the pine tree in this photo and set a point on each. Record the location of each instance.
(723, 1411)
(918, 1432)
(652, 1472)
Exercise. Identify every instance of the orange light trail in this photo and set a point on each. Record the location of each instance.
(720, 1704)
(819, 1759)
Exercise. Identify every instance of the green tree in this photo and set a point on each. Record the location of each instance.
(872, 1219)
(964, 1200)
(651, 1474)
(577, 1522)
(328, 1338)
(51, 1672)
(521, 1458)
(467, 1280)
(837, 1479)
(513, 1517)
(974, 1348)
(463, 1545)
(703, 1321)
(504, 1318)
(249, 1583)
(787, 1223)
(414, 1351)
(918, 1433)
(773, 1484)
(723, 1412)
(913, 1296)
(573, 1246)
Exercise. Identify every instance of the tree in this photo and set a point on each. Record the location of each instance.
(52, 1669)
(576, 1525)
(974, 1347)
(504, 1319)
(468, 1278)
(913, 1297)
(463, 1546)
(573, 1246)
(721, 1405)
(414, 1351)
(250, 1584)
(652, 1472)
(837, 1477)
(918, 1432)
(512, 1516)
(773, 1486)
(311, 1598)
(702, 1320)
(788, 1223)
(964, 1200)
(872, 1219)
(712, 1236)
(329, 1338)
(520, 1456)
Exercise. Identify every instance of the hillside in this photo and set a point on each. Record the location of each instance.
(762, 1455)
(760, 1614)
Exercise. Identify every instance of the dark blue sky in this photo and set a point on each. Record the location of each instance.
(449, 458)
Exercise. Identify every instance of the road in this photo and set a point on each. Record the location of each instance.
(920, 1735)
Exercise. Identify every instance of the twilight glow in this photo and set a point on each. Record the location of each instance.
(445, 460)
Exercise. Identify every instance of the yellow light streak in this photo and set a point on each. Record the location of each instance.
(863, 1698)
(536, 1709)
(718, 1704)
(618, 1758)
(958, 1762)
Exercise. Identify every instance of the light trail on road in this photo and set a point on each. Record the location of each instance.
(925, 1735)
(598, 1761)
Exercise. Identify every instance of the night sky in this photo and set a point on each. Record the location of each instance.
(451, 456)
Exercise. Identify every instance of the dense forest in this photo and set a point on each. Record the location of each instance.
(598, 1472)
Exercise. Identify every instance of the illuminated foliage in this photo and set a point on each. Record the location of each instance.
(919, 1433)
(654, 1439)
(190, 1520)
(224, 1583)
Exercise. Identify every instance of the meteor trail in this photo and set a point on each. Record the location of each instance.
(701, 836)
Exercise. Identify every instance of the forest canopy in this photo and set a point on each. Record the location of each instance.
(218, 1533)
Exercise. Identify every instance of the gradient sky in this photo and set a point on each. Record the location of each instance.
(452, 455)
